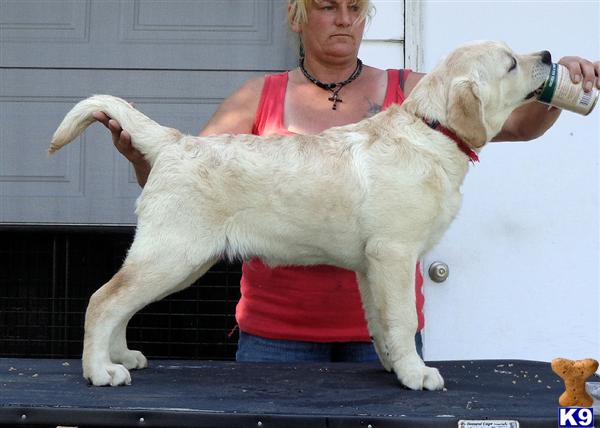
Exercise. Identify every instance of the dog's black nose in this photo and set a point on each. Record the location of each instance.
(546, 57)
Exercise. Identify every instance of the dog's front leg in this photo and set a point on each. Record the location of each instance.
(373, 321)
(391, 277)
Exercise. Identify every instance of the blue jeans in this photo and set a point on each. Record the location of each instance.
(259, 349)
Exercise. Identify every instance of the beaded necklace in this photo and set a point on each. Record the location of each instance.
(334, 87)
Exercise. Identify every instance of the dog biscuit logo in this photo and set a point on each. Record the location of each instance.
(574, 374)
(575, 417)
(575, 402)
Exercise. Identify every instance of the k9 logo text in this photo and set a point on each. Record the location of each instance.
(575, 417)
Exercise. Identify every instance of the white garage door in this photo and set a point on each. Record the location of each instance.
(176, 59)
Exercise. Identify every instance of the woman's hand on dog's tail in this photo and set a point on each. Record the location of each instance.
(122, 141)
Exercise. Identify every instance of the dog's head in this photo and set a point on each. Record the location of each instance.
(476, 88)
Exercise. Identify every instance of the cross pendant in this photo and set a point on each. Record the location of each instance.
(335, 99)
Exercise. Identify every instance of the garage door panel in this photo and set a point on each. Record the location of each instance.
(176, 34)
(24, 165)
(54, 21)
(88, 181)
(203, 22)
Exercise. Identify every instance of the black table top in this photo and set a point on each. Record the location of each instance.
(228, 394)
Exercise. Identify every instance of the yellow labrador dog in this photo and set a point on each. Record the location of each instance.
(371, 197)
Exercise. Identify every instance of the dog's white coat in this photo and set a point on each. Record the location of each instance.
(371, 197)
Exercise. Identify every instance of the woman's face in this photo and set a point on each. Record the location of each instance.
(333, 28)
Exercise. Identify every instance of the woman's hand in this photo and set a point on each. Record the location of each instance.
(122, 141)
(582, 70)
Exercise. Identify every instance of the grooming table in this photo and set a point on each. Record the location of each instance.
(228, 394)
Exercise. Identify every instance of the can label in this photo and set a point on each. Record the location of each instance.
(559, 91)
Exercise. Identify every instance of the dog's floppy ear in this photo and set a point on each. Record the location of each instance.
(465, 112)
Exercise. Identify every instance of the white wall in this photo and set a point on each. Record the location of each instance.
(383, 42)
(534, 205)
(563, 27)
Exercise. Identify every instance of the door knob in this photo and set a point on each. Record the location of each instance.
(438, 271)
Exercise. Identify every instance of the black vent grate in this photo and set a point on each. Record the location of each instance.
(47, 275)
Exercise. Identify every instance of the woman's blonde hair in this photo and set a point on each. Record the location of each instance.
(298, 11)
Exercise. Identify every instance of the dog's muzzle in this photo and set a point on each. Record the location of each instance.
(540, 73)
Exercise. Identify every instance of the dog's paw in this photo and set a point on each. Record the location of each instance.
(414, 374)
(131, 360)
(432, 379)
(108, 374)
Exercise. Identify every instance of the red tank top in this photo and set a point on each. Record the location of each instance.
(313, 303)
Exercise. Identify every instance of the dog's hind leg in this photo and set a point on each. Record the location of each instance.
(120, 352)
(391, 277)
(146, 276)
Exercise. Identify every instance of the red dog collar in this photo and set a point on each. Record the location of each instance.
(464, 147)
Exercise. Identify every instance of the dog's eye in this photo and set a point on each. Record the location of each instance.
(513, 66)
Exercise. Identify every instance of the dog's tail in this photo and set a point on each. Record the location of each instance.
(146, 135)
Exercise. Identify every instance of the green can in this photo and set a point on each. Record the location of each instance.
(559, 91)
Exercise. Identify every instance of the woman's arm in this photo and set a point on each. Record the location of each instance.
(237, 112)
(528, 122)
